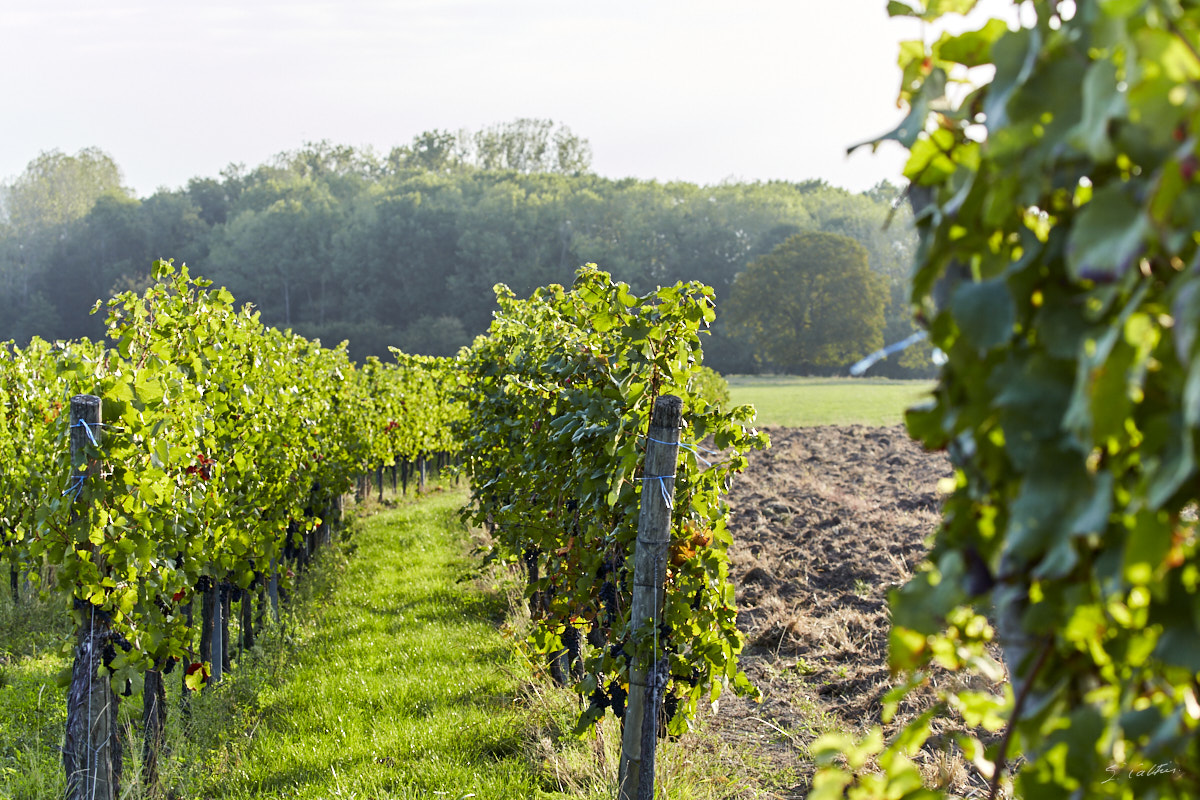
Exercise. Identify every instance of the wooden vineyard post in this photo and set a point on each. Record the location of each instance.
(333, 519)
(206, 618)
(636, 776)
(273, 590)
(247, 608)
(226, 616)
(184, 699)
(92, 748)
(216, 646)
(421, 483)
(154, 724)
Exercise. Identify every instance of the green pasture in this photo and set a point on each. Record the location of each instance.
(795, 402)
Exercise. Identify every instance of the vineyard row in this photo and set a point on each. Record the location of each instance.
(198, 459)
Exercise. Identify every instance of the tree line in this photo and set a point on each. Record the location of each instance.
(403, 250)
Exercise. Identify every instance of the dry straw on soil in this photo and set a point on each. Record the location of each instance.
(824, 523)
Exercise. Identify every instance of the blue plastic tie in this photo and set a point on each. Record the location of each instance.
(662, 485)
(84, 424)
(695, 449)
(76, 486)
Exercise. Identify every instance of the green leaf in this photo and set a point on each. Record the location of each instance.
(1171, 54)
(1121, 8)
(985, 312)
(1180, 647)
(1015, 55)
(907, 649)
(896, 8)
(929, 10)
(1146, 547)
(1102, 102)
(913, 125)
(830, 784)
(973, 48)
(195, 679)
(913, 736)
(1176, 468)
(940, 7)
(1107, 236)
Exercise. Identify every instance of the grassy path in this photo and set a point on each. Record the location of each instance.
(403, 688)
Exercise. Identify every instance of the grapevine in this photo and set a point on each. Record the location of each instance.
(559, 395)
(1057, 271)
(222, 446)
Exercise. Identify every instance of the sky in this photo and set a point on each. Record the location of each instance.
(702, 91)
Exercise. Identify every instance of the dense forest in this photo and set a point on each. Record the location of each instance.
(403, 249)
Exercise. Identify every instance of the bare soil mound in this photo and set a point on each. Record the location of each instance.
(824, 523)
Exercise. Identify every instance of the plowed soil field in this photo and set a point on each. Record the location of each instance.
(824, 523)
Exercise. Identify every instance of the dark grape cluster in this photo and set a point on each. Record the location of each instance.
(618, 695)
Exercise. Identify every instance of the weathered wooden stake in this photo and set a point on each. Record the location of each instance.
(379, 478)
(404, 477)
(421, 484)
(656, 683)
(333, 518)
(636, 775)
(226, 616)
(154, 723)
(207, 616)
(216, 655)
(247, 608)
(92, 747)
(273, 590)
(260, 611)
(184, 693)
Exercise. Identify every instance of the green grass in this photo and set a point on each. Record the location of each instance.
(795, 402)
(403, 686)
(33, 709)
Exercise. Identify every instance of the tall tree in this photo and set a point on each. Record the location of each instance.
(56, 189)
(279, 257)
(812, 303)
(531, 145)
(430, 151)
(88, 258)
(38, 210)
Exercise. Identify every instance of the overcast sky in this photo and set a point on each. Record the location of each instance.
(702, 90)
